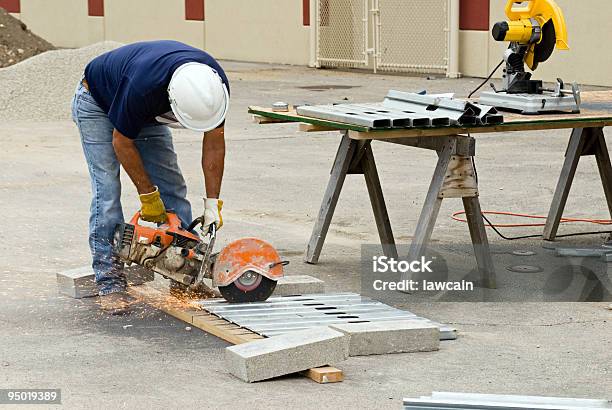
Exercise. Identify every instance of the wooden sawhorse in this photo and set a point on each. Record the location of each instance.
(583, 142)
(455, 174)
(454, 177)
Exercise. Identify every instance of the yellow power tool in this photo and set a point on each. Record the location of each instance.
(534, 28)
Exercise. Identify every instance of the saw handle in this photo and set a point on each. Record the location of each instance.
(212, 231)
(521, 11)
(173, 220)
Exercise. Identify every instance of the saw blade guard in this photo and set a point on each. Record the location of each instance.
(244, 255)
(542, 11)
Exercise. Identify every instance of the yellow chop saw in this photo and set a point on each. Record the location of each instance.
(534, 29)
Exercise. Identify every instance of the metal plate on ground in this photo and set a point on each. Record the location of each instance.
(284, 314)
(525, 269)
(465, 401)
(523, 253)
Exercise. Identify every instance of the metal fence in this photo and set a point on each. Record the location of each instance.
(412, 35)
(342, 33)
(389, 35)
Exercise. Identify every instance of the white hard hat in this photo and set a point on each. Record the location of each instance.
(198, 97)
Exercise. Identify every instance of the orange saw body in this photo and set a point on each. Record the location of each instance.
(246, 270)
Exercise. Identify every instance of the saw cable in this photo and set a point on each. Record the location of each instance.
(195, 223)
(145, 260)
(493, 226)
(487, 79)
(513, 238)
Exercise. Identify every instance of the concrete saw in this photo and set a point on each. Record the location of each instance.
(246, 270)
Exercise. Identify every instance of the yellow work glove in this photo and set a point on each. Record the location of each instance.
(212, 213)
(152, 209)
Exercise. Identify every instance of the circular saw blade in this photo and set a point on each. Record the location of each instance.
(541, 51)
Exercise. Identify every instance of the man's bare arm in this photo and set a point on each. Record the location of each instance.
(213, 160)
(129, 157)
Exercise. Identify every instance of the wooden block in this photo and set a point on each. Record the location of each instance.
(324, 375)
(460, 179)
(258, 119)
(293, 116)
(466, 146)
(315, 128)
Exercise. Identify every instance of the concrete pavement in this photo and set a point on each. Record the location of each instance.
(275, 178)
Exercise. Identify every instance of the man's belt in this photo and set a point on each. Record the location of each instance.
(84, 82)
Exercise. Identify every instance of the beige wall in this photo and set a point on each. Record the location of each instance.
(262, 30)
(473, 53)
(272, 31)
(64, 23)
(137, 20)
(589, 59)
(95, 26)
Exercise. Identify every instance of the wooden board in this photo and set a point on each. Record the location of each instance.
(258, 119)
(596, 112)
(192, 315)
(292, 116)
(324, 375)
(315, 128)
(230, 332)
(460, 180)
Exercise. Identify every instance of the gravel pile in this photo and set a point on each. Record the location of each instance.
(41, 87)
(17, 43)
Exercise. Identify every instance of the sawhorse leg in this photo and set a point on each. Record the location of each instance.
(353, 157)
(454, 177)
(583, 142)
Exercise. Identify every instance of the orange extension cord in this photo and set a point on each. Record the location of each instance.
(455, 216)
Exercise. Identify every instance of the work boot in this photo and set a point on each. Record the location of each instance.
(116, 303)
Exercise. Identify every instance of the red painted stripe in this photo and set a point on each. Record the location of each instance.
(474, 15)
(306, 12)
(95, 8)
(12, 6)
(194, 10)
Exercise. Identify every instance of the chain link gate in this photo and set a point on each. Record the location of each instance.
(412, 35)
(342, 33)
(388, 35)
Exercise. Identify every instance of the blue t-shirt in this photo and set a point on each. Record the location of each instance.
(130, 83)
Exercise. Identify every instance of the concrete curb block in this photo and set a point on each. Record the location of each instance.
(405, 336)
(79, 283)
(285, 354)
(298, 285)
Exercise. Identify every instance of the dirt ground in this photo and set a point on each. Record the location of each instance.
(275, 179)
(17, 42)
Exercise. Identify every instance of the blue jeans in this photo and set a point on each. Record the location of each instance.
(157, 152)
